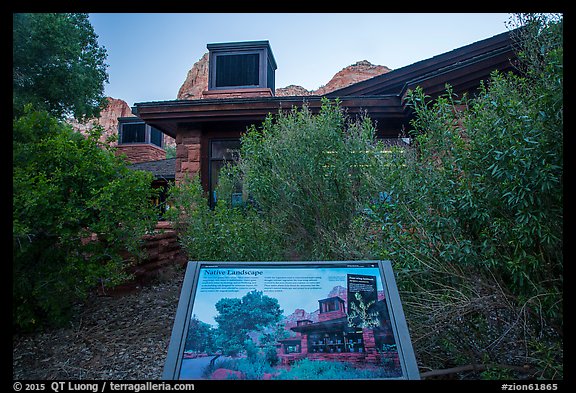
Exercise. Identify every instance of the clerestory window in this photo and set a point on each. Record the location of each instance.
(139, 132)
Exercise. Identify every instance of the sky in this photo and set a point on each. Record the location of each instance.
(149, 54)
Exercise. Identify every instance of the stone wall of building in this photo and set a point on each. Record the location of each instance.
(237, 93)
(187, 153)
(141, 152)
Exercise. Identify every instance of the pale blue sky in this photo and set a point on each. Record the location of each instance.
(149, 54)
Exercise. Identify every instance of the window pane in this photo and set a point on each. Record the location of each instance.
(237, 70)
(133, 133)
(215, 167)
(156, 136)
(270, 73)
(225, 150)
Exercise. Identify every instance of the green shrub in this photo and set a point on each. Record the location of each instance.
(311, 177)
(307, 369)
(224, 233)
(306, 180)
(68, 191)
(475, 223)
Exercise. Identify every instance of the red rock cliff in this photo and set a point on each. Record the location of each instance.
(354, 73)
(109, 120)
(197, 80)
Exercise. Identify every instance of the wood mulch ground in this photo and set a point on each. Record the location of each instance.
(120, 336)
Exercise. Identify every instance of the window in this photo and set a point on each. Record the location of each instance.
(331, 304)
(235, 65)
(335, 342)
(237, 70)
(139, 132)
(221, 151)
(156, 137)
(133, 133)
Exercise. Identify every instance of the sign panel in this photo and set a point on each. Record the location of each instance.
(290, 320)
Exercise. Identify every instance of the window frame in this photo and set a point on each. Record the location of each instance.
(211, 160)
(266, 64)
(147, 134)
(258, 70)
(262, 69)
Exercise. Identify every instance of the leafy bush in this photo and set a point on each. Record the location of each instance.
(311, 177)
(307, 369)
(224, 233)
(475, 222)
(306, 180)
(77, 211)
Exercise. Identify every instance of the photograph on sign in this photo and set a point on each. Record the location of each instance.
(289, 321)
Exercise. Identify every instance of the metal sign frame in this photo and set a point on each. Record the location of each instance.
(234, 279)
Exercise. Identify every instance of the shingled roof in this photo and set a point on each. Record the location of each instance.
(161, 169)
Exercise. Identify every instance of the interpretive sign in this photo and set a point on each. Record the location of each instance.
(290, 320)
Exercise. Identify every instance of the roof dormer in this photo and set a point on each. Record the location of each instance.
(240, 69)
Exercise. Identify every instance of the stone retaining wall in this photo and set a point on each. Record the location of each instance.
(162, 249)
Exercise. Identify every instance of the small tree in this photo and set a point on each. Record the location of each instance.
(200, 336)
(237, 317)
(306, 180)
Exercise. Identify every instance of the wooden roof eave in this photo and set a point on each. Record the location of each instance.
(461, 77)
(167, 115)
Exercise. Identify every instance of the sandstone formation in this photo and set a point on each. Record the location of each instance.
(197, 80)
(292, 90)
(109, 121)
(354, 73)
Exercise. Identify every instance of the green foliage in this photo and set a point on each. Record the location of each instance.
(237, 317)
(77, 210)
(307, 369)
(224, 233)
(305, 180)
(200, 337)
(475, 222)
(311, 176)
(359, 314)
(57, 65)
(170, 151)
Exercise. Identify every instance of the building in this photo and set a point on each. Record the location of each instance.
(241, 93)
(340, 334)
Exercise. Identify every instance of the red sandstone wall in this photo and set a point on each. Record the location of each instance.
(237, 93)
(141, 152)
(187, 153)
(162, 249)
